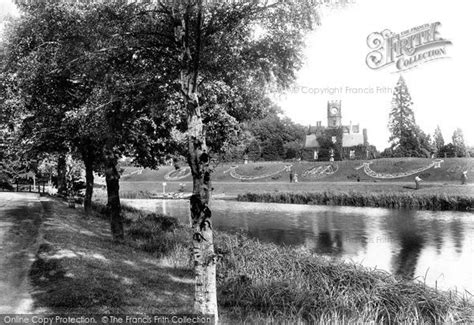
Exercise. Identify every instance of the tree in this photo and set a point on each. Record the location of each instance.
(42, 47)
(293, 149)
(278, 137)
(216, 50)
(438, 139)
(205, 66)
(328, 145)
(458, 143)
(424, 143)
(402, 124)
(448, 151)
(85, 93)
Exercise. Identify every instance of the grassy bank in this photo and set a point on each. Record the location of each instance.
(349, 170)
(79, 268)
(392, 200)
(265, 281)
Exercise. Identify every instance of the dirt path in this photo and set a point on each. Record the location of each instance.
(20, 218)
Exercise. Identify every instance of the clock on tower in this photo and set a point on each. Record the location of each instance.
(334, 114)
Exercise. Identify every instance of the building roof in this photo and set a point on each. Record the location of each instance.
(311, 141)
(352, 139)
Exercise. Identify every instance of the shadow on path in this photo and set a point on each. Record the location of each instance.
(78, 268)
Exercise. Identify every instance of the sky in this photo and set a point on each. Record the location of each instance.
(441, 90)
(7, 6)
(335, 68)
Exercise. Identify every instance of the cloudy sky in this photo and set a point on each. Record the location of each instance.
(335, 68)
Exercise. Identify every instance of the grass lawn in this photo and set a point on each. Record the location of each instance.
(232, 189)
(449, 172)
(137, 183)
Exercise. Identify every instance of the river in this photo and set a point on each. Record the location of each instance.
(436, 247)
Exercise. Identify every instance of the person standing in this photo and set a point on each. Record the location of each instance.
(417, 182)
(291, 176)
(464, 177)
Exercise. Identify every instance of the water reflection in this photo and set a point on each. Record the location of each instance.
(457, 234)
(409, 235)
(437, 231)
(434, 246)
(335, 234)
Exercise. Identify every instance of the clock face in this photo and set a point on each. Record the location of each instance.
(334, 110)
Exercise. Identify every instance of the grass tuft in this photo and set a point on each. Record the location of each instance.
(264, 281)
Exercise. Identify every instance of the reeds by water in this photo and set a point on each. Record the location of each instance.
(392, 200)
(260, 281)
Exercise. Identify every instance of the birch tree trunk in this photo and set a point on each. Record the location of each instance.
(204, 257)
(205, 296)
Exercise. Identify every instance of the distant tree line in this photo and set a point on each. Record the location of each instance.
(270, 138)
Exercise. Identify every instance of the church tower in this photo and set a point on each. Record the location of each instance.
(334, 114)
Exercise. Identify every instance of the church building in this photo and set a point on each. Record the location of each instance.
(336, 141)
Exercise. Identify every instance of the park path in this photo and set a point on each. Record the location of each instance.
(20, 218)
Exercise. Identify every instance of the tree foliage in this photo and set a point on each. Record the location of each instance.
(143, 79)
(407, 139)
(82, 90)
(330, 141)
(402, 119)
(438, 140)
(458, 143)
(221, 61)
(276, 137)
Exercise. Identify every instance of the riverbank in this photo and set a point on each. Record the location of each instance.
(79, 268)
(392, 200)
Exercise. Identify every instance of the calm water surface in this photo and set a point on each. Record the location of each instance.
(435, 247)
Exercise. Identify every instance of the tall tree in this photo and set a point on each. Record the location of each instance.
(233, 47)
(458, 142)
(210, 62)
(402, 124)
(438, 139)
(83, 90)
(41, 47)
